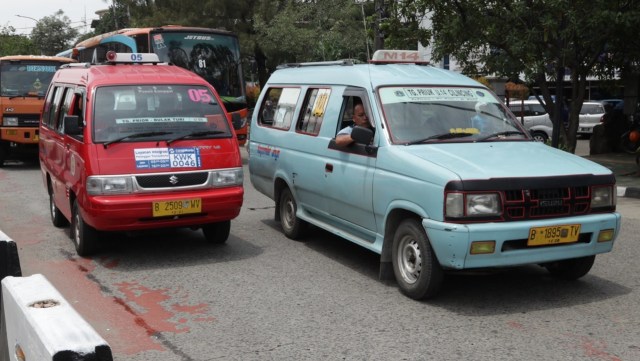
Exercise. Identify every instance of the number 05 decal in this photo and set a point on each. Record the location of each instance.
(199, 95)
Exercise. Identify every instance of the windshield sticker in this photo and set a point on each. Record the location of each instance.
(422, 94)
(199, 95)
(158, 41)
(153, 158)
(199, 37)
(161, 120)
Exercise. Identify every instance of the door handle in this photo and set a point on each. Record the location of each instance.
(328, 168)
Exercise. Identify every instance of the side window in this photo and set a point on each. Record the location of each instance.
(313, 110)
(277, 107)
(48, 107)
(55, 107)
(348, 105)
(64, 109)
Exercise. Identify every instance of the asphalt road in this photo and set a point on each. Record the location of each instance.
(170, 296)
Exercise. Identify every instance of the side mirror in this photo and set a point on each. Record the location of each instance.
(72, 125)
(237, 121)
(362, 135)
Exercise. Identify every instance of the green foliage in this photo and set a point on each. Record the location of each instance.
(14, 44)
(52, 34)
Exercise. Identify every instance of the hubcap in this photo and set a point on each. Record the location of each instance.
(289, 213)
(409, 259)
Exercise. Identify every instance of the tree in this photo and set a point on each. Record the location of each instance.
(52, 34)
(544, 40)
(14, 44)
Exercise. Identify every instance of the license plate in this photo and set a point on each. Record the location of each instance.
(542, 236)
(172, 208)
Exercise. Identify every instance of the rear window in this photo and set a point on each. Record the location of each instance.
(174, 109)
(592, 109)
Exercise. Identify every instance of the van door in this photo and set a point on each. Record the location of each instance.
(349, 175)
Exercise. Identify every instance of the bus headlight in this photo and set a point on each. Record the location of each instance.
(10, 121)
(602, 196)
(109, 185)
(472, 205)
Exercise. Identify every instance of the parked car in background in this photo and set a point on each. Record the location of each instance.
(590, 114)
(533, 117)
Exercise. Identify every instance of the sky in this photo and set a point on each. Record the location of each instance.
(77, 10)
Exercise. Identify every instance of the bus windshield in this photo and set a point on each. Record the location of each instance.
(26, 78)
(215, 57)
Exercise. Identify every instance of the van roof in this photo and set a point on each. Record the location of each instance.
(109, 74)
(373, 75)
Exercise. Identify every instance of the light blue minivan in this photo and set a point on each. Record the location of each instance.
(441, 176)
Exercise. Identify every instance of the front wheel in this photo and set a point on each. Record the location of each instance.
(83, 235)
(415, 265)
(629, 146)
(292, 226)
(571, 269)
(217, 233)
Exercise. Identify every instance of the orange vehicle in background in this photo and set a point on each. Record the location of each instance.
(211, 53)
(24, 80)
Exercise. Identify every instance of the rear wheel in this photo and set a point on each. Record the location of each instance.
(217, 232)
(57, 218)
(292, 226)
(571, 269)
(4, 152)
(83, 235)
(415, 266)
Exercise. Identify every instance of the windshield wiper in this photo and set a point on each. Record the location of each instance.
(508, 132)
(133, 136)
(195, 135)
(441, 137)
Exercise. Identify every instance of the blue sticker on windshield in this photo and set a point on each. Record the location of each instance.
(154, 158)
(42, 68)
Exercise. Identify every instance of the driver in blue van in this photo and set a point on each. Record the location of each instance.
(343, 138)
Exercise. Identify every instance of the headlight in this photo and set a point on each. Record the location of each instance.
(473, 205)
(227, 177)
(109, 185)
(10, 121)
(602, 196)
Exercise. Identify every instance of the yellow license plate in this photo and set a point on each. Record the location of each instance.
(172, 208)
(542, 236)
(36, 137)
(12, 132)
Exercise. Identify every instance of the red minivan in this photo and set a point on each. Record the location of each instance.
(135, 144)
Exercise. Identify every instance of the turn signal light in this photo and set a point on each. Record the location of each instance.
(605, 235)
(483, 247)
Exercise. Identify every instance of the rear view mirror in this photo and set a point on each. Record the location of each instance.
(72, 125)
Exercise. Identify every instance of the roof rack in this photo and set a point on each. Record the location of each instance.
(346, 62)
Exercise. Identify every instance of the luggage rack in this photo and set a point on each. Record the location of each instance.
(345, 62)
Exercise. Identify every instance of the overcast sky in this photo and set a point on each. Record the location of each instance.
(77, 10)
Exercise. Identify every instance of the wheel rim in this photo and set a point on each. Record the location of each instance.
(76, 229)
(539, 138)
(288, 212)
(409, 259)
(52, 206)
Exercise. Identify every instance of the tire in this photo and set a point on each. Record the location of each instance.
(217, 233)
(4, 153)
(415, 266)
(540, 137)
(292, 226)
(84, 236)
(571, 269)
(57, 218)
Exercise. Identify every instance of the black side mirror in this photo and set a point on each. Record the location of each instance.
(362, 135)
(72, 125)
(237, 121)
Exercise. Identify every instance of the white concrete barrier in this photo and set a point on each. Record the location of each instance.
(41, 325)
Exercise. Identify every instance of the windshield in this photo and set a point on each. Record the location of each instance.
(417, 114)
(26, 78)
(123, 113)
(215, 57)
